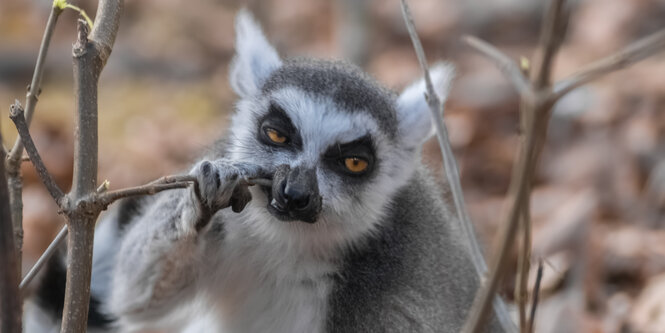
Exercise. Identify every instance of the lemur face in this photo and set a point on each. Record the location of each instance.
(339, 145)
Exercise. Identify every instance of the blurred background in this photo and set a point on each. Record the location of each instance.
(598, 203)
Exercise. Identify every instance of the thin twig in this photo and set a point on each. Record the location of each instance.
(510, 69)
(161, 184)
(14, 177)
(35, 84)
(17, 116)
(48, 253)
(523, 266)
(535, 105)
(10, 306)
(552, 33)
(629, 55)
(536, 292)
(451, 169)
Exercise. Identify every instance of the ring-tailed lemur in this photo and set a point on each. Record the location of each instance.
(352, 236)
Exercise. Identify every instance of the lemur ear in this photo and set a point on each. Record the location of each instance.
(255, 58)
(414, 119)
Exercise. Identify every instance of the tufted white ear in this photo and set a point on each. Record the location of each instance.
(413, 115)
(255, 58)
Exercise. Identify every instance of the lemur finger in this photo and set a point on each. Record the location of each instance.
(250, 170)
(208, 181)
(240, 198)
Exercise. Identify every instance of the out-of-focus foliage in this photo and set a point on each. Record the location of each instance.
(599, 199)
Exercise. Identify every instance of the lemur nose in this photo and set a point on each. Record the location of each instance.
(295, 193)
(296, 198)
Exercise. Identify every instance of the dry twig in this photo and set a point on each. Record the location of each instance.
(48, 253)
(631, 54)
(16, 114)
(536, 291)
(13, 162)
(505, 64)
(451, 170)
(10, 307)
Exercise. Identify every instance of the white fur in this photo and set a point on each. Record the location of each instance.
(413, 114)
(255, 58)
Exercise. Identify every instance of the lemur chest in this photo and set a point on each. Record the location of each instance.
(259, 287)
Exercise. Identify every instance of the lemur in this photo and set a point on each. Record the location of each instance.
(352, 235)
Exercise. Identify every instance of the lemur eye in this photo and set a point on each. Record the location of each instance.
(275, 136)
(355, 164)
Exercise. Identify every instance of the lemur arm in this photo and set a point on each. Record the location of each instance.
(156, 264)
(159, 257)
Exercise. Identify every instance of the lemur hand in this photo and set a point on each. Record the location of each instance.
(221, 184)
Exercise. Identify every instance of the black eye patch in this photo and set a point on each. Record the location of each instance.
(362, 148)
(276, 119)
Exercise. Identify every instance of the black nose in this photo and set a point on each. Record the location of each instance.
(295, 197)
(295, 194)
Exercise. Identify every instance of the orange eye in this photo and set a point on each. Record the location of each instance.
(275, 136)
(355, 164)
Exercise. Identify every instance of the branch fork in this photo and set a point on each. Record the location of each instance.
(537, 97)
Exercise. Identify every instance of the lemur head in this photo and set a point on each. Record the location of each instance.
(339, 144)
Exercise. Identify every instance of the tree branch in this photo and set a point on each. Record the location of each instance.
(48, 253)
(107, 21)
(535, 109)
(90, 56)
(161, 184)
(16, 114)
(13, 162)
(451, 169)
(536, 291)
(536, 104)
(505, 64)
(631, 54)
(35, 85)
(10, 307)
(552, 33)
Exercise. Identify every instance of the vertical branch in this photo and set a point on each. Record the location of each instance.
(82, 224)
(451, 170)
(90, 56)
(523, 265)
(535, 109)
(13, 162)
(552, 33)
(10, 307)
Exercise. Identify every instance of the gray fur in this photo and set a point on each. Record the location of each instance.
(414, 275)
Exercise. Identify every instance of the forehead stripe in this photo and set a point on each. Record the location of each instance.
(346, 85)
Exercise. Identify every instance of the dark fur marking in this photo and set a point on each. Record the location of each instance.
(50, 295)
(348, 86)
(129, 208)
